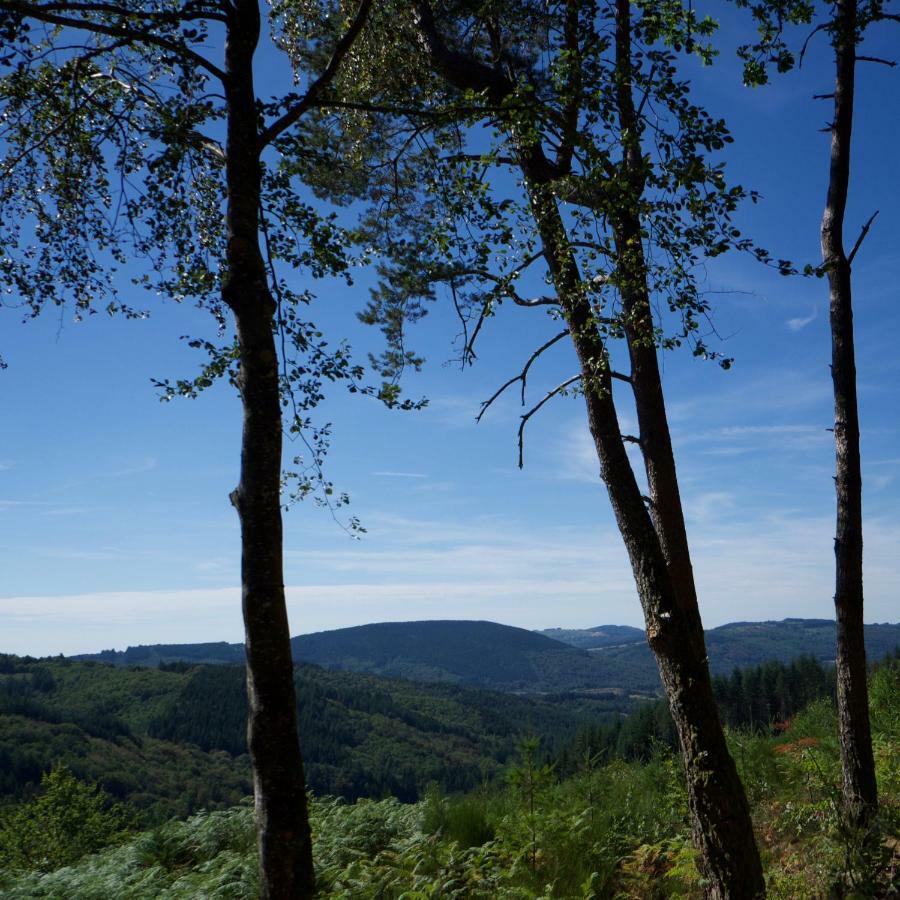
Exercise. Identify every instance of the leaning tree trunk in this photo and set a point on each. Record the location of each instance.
(283, 834)
(657, 547)
(859, 788)
(720, 815)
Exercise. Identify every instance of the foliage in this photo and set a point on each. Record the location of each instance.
(614, 830)
(114, 164)
(772, 49)
(66, 821)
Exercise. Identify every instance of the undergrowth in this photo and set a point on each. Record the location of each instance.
(617, 830)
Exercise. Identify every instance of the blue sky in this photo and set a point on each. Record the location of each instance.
(116, 527)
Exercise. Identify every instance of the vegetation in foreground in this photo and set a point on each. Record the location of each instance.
(609, 830)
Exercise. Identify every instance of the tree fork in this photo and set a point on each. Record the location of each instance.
(720, 815)
(660, 560)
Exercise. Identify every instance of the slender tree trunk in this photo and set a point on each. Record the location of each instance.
(657, 545)
(720, 815)
(859, 787)
(283, 834)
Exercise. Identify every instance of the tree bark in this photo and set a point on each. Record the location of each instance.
(860, 797)
(657, 544)
(283, 834)
(720, 815)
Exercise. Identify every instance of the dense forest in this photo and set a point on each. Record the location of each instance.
(599, 818)
(171, 741)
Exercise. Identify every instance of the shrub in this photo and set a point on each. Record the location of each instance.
(68, 820)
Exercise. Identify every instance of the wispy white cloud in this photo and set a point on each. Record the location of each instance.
(147, 464)
(801, 322)
(399, 474)
(708, 506)
(747, 567)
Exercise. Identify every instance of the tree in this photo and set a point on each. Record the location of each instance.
(554, 145)
(845, 22)
(125, 141)
(68, 820)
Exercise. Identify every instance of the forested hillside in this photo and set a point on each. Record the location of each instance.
(172, 741)
(583, 824)
(503, 658)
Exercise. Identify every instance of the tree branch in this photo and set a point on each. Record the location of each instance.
(809, 37)
(557, 390)
(861, 238)
(536, 301)
(522, 376)
(463, 71)
(318, 87)
(136, 35)
(188, 13)
(877, 59)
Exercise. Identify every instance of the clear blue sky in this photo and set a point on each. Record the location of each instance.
(114, 517)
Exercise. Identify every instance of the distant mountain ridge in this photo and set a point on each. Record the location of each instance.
(741, 644)
(596, 638)
(474, 654)
(505, 658)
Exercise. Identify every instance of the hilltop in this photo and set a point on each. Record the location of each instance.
(736, 645)
(607, 658)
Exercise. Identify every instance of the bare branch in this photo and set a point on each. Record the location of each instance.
(550, 394)
(877, 59)
(318, 87)
(188, 13)
(536, 301)
(861, 238)
(468, 350)
(522, 376)
(809, 37)
(467, 354)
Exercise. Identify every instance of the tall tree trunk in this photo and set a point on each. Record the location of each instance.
(657, 546)
(283, 834)
(720, 815)
(859, 787)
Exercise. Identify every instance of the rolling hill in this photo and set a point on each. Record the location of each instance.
(740, 644)
(173, 740)
(475, 654)
(504, 658)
